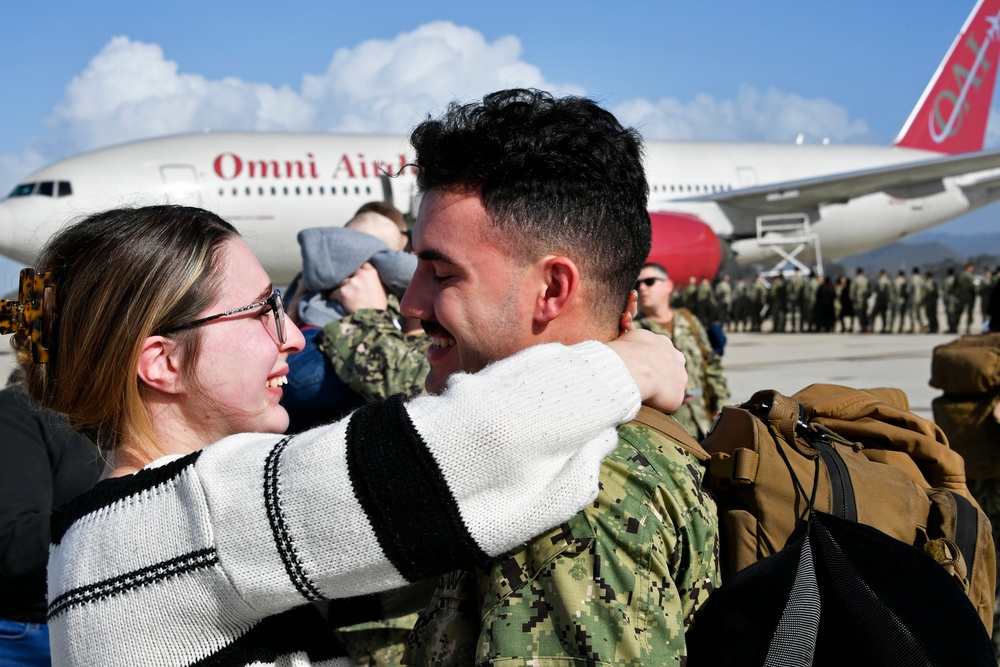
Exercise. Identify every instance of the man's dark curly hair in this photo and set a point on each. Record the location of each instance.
(556, 176)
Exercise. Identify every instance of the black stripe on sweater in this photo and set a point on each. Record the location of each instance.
(404, 493)
(279, 527)
(114, 490)
(298, 630)
(196, 560)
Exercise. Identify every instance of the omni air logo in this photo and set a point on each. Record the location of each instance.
(941, 127)
(230, 165)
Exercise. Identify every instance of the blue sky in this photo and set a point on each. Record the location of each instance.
(82, 75)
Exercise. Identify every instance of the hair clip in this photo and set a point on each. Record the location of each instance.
(33, 314)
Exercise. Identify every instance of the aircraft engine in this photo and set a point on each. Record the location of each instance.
(685, 245)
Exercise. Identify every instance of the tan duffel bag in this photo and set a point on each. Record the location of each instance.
(967, 366)
(972, 430)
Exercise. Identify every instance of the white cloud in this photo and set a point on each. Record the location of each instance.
(752, 116)
(130, 91)
(391, 85)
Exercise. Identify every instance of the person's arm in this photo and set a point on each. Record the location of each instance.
(400, 491)
(25, 491)
(373, 357)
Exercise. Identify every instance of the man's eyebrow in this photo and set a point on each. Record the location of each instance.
(431, 255)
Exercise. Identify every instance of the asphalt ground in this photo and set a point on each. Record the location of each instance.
(789, 362)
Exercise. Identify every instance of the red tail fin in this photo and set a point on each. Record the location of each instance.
(951, 115)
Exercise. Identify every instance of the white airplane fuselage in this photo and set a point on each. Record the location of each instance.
(271, 186)
(683, 170)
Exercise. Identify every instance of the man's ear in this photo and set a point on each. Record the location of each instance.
(561, 280)
(159, 366)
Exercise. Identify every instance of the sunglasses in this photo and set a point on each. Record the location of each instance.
(277, 312)
(648, 282)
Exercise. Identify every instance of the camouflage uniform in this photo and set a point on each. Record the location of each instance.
(724, 296)
(707, 307)
(372, 355)
(777, 298)
(741, 305)
(966, 292)
(617, 584)
(758, 299)
(900, 302)
(796, 285)
(697, 414)
(860, 291)
(950, 291)
(809, 303)
(374, 358)
(885, 298)
(918, 323)
(931, 300)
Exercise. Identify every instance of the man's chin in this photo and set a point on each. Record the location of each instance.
(435, 382)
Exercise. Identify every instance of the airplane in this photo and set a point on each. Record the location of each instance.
(786, 203)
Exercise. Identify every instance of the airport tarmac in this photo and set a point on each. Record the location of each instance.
(789, 362)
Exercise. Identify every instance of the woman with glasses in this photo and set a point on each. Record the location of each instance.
(156, 332)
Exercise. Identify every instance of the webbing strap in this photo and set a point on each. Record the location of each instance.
(966, 530)
(842, 501)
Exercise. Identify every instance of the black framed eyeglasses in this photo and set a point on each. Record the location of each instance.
(648, 282)
(277, 314)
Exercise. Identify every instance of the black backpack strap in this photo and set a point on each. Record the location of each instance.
(966, 530)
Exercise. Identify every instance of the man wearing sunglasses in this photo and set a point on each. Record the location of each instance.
(707, 389)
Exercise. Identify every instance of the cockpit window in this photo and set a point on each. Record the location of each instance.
(45, 189)
(23, 190)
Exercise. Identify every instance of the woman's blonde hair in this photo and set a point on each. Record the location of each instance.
(121, 276)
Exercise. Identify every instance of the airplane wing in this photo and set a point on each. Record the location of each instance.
(910, 179)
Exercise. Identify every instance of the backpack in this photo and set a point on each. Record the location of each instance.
(968, 371)
(841, 500)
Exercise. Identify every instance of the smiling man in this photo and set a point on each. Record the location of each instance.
(532, 229)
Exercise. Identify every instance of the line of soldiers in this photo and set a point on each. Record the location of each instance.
(806, 303)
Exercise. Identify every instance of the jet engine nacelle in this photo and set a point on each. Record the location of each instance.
(685, 245)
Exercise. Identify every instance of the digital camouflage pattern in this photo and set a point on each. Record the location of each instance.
(616, 585)
(372, 356)
(706, 377)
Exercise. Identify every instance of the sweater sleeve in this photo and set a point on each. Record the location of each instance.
(399, 492)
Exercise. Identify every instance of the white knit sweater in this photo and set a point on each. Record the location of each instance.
(213, 557)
